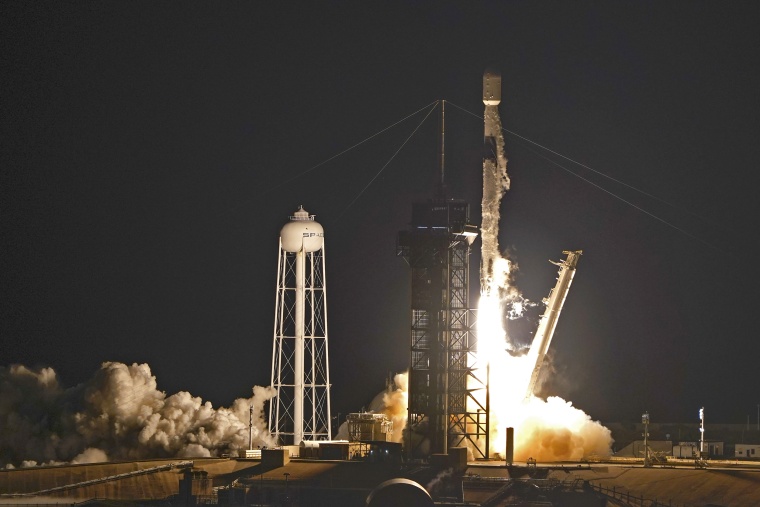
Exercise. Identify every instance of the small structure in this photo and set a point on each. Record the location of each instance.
(324, 449)
(687, 450)
(691, 450)
(369, 427)
(747, 451)
(194, 487)
(252, 454)
(640, 449)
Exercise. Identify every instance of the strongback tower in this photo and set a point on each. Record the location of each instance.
(442, 408)
(300, 372)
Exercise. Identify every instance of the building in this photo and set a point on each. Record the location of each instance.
(747, 451)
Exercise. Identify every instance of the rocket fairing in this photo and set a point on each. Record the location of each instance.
(548, 322)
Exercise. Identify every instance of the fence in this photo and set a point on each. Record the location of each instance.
(632, 500)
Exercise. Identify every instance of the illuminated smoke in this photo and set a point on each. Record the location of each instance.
(118, 414)
(545, 430)
(395, 403)
(554, 430)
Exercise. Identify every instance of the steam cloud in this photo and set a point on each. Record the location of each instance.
(395, 402)
(554, 430)
(118, 414)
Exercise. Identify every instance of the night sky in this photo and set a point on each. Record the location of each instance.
(151, 151)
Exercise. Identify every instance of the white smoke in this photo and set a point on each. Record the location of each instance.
(395, 403)
(90, 455)
(494, 269)
(118, 414)
(555, 430)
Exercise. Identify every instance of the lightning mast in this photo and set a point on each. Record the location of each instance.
(300, 372)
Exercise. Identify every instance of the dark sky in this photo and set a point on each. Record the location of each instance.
(149, 153)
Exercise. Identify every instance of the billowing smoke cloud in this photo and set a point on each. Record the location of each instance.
(118, 414)
(554, 430)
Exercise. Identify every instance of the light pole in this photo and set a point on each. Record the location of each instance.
(702, 431)
(645, 420)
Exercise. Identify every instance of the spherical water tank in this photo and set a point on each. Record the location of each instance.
(302, 233)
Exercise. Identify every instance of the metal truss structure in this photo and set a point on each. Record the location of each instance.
(444, 410)
(300, 373)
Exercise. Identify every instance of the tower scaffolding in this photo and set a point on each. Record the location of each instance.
(443, 410)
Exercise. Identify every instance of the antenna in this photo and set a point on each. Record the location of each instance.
(442, 181)
(250, 429)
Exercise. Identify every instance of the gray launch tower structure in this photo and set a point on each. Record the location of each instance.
(442, 410)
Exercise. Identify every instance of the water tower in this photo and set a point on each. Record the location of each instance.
(300, 373)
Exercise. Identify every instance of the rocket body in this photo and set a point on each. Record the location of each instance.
(548, 322)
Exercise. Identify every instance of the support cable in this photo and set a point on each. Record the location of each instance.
(312, 168)
(435, 104)
(652, 215)
(662, 220)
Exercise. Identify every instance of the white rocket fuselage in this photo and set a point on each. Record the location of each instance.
(548, 323)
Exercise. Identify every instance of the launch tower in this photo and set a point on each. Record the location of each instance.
(300, 372)
(437, 249)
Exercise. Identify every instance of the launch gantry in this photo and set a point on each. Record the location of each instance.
(442, 409)
(441, 403)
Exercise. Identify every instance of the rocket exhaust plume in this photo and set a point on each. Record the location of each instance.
(119, 414)
(548, 430)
